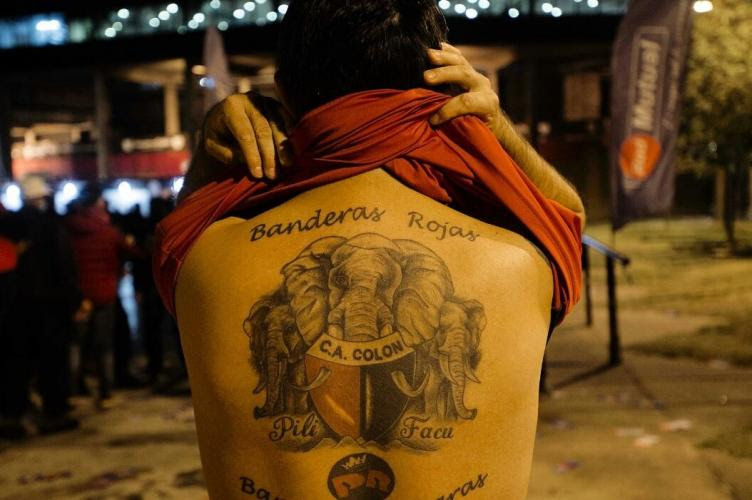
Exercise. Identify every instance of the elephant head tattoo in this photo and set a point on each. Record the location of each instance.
(276, 356)
(457, 342)
(362, 289)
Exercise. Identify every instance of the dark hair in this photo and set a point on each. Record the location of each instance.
(331, 48)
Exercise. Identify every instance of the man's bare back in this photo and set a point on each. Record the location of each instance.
(363, 339)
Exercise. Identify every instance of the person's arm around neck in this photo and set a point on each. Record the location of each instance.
(481, 100)
(545, 177)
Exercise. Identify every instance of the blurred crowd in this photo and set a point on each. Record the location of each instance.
(64, 330)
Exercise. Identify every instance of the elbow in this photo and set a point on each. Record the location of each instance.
(578, 207)
(582, 215)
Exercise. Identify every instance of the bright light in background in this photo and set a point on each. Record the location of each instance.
(459, 8)
(556, 12)
(124, 188)
(546, 7)
(193, 24)
(48, 25)
(110, 32)
(123, 13)
(64, 196)
(261, 2)
(117, 25)
(126, 195)
(484, 4)
(282, 8)
(70, 190)
(514, 13)
(199, 17)
(238, 13)
(222, 26)
(11, 197)
(154, 187)
(206, 82)
(172, 8)
(164, 15)
(271, 16)
(215, 4)
(703, 6)
(444, 4)
(592, 3)
(471, 13)
(177, 185)
(154, 22)
(249, 6)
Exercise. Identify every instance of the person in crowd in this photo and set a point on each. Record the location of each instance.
(99, 249)
(369, 322)
(165, 366)
(37, 328)
(125, 376)
(8, 264)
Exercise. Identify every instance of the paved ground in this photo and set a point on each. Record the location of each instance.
(632, 432)
(143, 447)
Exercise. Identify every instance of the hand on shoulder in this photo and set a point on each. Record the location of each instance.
(251, 129)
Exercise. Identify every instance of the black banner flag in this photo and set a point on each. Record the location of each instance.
(648, 66)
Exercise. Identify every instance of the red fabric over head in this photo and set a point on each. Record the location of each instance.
(460, 163)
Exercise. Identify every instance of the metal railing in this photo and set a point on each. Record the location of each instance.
(614, 346)
(612, 257)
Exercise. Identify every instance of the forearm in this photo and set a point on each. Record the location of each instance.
(538, 170)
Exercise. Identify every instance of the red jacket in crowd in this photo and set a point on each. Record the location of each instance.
(97, 247)
(8, 253)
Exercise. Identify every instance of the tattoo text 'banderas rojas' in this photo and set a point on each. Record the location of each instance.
(249, 487)
(466, 489)
(441, 230)
(316, 221)
(366, 340)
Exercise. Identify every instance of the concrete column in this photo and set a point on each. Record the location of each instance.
(171, 110)
(244, 85)
(191, 122)
(102, 114)
(531, 108)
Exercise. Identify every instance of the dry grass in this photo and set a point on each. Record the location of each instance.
(684, 266)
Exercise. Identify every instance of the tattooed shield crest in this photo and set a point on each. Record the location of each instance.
(359, 398)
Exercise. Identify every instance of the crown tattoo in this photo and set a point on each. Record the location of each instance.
(354, 462)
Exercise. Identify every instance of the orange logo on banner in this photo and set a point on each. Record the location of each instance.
(639, 156)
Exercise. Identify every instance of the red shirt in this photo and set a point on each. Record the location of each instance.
(459, 163)
(8, 252)
(97, 247)
(8, 255)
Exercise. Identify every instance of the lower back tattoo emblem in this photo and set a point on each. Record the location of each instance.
(361, 477)
(364, 339)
